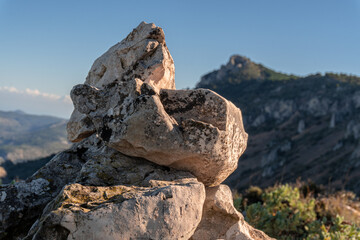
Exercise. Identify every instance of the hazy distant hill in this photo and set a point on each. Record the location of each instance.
(26, 137)
(305, 127)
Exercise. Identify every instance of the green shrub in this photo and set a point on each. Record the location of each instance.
(285, 213)
(337, 230)
(252, 195)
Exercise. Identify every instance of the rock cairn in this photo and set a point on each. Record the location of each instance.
(147, 163)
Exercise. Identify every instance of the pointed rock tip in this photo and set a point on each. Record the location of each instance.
(149, 30)
(236, 59)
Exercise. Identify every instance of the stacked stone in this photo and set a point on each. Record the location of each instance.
(148, 160)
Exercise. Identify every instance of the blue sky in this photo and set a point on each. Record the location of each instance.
(46, 46)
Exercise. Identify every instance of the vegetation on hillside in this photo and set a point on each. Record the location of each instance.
(301, 211)
(341, 77)
(272, 75)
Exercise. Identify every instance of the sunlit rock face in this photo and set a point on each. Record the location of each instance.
(221, 220)
(142, 54)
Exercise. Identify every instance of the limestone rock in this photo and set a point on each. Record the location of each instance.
(213, 133)
(142, 54)
(221, 220)
(79, 127)
(120, 212)
(243, 231)
(122, 197)
(193, 130)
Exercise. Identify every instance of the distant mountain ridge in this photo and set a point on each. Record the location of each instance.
(240, 68)
(306, 127)
(26, 137)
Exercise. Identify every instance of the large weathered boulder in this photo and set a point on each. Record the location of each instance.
(122, 197)
(193, 130)
(120, 212)
(142, 54)
(142, 155)
(212, 131)
(221, 220)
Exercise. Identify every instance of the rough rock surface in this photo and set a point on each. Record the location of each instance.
(144, 152)
(120, 212)
(221, 220)
(142, 54)
(194, 130)
(137, 198)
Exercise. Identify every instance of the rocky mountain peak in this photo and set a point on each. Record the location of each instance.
(238, 61)
(239, 69)
(147, 163)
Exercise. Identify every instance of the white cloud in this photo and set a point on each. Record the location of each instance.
(9, 89)
(36, 92)
(34, 101)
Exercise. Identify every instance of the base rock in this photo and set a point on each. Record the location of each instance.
(221, 220)
(123, 198)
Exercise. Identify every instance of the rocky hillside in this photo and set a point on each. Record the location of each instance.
(25, 137)
(304, 127)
